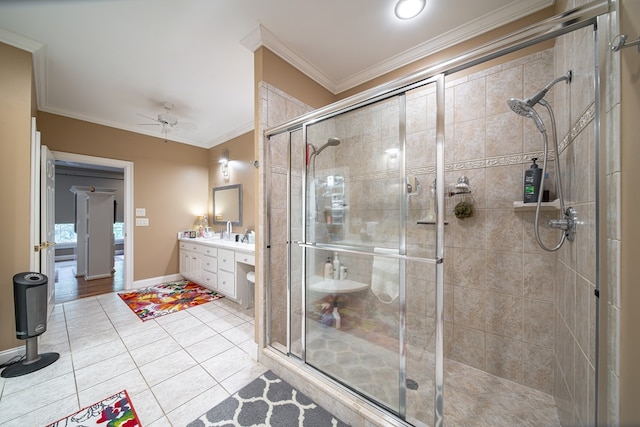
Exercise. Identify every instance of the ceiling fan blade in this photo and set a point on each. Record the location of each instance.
(186, 126)
(147, 117)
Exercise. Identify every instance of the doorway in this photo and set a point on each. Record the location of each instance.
(86, 169)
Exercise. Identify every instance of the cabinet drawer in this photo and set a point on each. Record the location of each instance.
(193, 247)
(210, 280)
(184, 246)
(226, 284)
(246, 258)
(210, 264)
(209, 251)
(226, 260)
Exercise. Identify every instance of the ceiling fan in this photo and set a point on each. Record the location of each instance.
(168, 121)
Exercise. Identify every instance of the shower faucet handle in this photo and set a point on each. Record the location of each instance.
(567, 223)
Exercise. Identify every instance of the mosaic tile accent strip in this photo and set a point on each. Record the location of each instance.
(587, 117)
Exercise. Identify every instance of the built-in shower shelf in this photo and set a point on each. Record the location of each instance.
(545, 206)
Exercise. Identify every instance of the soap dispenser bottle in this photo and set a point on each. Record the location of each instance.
(532, 181)
(336, 266)
(328, 269)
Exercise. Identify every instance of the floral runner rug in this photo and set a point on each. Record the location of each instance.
(114, 411)
(155, 301)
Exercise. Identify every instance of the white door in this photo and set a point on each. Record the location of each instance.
(47, 221)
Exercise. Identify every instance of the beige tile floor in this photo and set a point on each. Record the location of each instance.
(175, 367)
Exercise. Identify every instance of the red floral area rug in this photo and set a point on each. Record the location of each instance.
(167, 298)
(114, 411)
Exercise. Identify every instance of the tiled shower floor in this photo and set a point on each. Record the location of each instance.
(471, 397)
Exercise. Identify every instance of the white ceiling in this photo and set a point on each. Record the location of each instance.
(107, 61)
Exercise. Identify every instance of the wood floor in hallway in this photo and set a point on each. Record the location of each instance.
(69, 287)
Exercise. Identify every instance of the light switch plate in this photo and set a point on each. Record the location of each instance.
(142, 222)
(141, 211)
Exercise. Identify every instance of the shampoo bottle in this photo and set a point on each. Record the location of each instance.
(336, 266)
(532, 181)
(328, 269)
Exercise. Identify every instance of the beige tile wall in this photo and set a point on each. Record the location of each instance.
(511, 308)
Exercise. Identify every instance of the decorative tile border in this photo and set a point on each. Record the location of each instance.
(585, 119)
(515, 159)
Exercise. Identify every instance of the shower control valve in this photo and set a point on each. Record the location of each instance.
(567, 223)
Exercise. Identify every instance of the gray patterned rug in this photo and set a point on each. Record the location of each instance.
(267, 401)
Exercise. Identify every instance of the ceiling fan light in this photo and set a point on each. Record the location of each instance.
(168, 119)
(407, 9)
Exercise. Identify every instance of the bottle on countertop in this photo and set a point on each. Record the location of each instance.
(336, 266)
(532, 182)
(328, 269)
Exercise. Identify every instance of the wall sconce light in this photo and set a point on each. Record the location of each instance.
(225, 163)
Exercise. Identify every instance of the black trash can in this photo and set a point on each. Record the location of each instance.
(30, 304)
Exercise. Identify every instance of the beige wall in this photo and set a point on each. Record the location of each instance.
(171, 181)
(272, 69)
(630, 206)
(241, 171)
(15, 129)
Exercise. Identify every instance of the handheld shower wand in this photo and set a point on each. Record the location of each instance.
(525, 108)
(311, 158)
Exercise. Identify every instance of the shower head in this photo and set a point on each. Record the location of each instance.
(331, 142)
(525, 107)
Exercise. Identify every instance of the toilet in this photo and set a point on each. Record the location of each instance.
(251, 278)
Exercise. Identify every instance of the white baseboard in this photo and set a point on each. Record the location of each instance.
(9, 354)
(144, 283)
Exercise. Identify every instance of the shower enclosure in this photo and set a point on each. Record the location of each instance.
(443, 306)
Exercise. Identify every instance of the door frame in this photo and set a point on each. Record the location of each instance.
(128, 202)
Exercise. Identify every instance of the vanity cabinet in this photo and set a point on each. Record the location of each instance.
(221, 266)
(227, 272)
(210, 268)
(191, 262)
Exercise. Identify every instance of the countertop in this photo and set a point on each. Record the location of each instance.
(220, 243)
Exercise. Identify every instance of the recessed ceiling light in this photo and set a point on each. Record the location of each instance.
(407, 9)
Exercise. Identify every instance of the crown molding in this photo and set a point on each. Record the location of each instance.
(248, 127)
(261, 36)
(39, 55)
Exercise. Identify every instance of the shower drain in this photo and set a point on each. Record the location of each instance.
(412, 384)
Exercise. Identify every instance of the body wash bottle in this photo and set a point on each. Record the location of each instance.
(328, 269)
(336, 266)
(532, 182)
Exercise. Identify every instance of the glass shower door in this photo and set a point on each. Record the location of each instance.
(369, 258)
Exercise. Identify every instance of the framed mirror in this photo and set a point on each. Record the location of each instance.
(227, 204)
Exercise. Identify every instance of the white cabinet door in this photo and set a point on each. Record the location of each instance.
(185, 263)
(226, 283)
(195, 267)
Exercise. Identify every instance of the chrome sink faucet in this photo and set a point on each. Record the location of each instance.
(229, 229)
